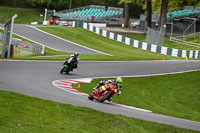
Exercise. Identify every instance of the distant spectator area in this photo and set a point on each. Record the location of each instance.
(187, 11)
(90, 13)
(181, 18)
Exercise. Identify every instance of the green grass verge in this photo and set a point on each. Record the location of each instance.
(25, 15)
(118, 50)
(194, 40)
(22, 114)
(79, 35)
(167, 43)
(174, 95)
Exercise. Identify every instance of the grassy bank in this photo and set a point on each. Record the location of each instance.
(118, 50)
(167, 43)
(174, 95)
(21, 114)
(25, 15)
(79, 35)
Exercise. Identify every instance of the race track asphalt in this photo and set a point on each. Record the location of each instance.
(49, 40)
(34, 78)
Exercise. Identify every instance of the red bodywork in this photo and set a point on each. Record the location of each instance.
(101, 97)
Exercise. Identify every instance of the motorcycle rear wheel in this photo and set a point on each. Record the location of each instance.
(105, 97)
(90, 98)
(68, 70)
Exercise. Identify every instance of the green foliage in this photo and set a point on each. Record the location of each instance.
(118, 50)
(156, 5)
(64, 4)
(126, 1)
(50, 3)
(198, 4)
(24, 15)
(14, 3)
(174, 4)
(135, 7)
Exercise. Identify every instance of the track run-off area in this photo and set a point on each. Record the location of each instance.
(42, 78)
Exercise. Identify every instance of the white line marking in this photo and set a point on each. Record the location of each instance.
(69, 88)
(66, 86)
(68, 41)
(32, 40)
(103, 61)
(147, 74)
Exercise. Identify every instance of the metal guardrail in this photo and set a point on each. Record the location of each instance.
(194, 35)
(173, 39)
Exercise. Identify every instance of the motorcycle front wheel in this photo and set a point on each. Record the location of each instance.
(90, 97)
(62, 70)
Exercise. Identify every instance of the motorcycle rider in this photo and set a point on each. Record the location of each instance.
(73, 60)
(117, 83)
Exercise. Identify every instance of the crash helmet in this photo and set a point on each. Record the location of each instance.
(119, 80)
(76, 54)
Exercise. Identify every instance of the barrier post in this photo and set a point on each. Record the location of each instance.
(13, 49)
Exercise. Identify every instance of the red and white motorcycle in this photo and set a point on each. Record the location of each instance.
(101, 96)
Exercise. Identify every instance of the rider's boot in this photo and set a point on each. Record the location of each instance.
(111, 98)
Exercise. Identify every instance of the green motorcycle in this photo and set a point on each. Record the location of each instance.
(66, 67)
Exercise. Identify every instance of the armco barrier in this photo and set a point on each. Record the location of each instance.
(142, 45)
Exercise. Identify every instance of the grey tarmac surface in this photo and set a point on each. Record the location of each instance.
(35, 79)
(50, 41)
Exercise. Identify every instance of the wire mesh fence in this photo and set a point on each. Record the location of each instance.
(22, 48)
(155, 37)
(187, 33)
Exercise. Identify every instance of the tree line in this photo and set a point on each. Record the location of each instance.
(132, 8)
(58, 5)
(157, 5)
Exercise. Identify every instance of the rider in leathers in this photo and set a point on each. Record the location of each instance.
(117, 83)
(73, 60)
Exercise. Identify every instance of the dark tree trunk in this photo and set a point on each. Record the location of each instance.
(14, 3)
(149, 13)
(163, 13)
(126, 13)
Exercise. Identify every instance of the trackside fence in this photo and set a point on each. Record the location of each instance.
(155, 36)
(143, 45)
(22, 48)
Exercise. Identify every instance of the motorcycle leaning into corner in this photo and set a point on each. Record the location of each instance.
(105, 92)
(66, 67)
(69, 65)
